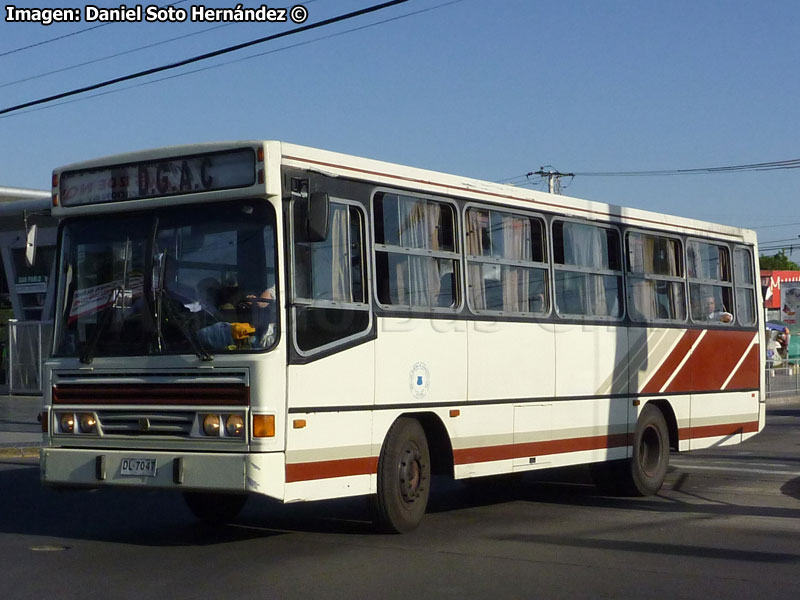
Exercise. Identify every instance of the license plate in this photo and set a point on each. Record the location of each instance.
(138, 467)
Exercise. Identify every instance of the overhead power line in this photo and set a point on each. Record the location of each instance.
(66, 35)
(238, 60)
(124, 52)
(765, 166)
(793, 163)
(206, 56)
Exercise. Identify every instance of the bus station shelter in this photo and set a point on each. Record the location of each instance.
(26, 290)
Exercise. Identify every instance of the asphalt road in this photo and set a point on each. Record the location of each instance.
(727, 524)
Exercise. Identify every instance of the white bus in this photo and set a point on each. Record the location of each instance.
(265, 318)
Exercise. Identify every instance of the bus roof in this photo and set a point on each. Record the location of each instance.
(442, 183)
(433, 182)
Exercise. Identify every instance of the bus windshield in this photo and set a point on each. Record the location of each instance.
(188, 279)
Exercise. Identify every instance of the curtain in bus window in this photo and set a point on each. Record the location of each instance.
(650, 298)
(340, 258)
(708, 261)
(516, 280)
(477, 228)
(642, 300)
(585, 246)
(419, 277)
(586, 293)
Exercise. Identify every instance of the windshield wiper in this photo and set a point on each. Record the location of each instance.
(162, 307)
(117, 296)
(187, 333)
(88, 353)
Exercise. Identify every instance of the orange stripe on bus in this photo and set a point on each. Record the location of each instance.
(490, 453)
(693, 433)
(327, 469)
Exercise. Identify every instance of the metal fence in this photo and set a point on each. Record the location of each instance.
(28, 342)
(783, 378)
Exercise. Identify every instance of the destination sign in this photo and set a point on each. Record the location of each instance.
(157, 178)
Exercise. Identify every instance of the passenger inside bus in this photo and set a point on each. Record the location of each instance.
(711, 311)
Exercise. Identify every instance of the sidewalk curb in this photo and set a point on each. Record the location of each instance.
(24, 452)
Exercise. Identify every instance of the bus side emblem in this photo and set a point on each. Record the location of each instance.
(419, 380)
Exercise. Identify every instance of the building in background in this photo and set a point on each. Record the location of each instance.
(782, 296)
(26, 291)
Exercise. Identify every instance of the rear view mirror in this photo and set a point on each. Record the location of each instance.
(30, 245)
(317, 216)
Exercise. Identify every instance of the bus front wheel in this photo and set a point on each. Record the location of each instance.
(215, 509)
(404, 477)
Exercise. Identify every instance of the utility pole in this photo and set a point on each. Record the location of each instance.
(553, 178)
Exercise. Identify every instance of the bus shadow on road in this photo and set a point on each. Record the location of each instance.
(572, 486)
(792, 488)
(155, 518)
(158, 518)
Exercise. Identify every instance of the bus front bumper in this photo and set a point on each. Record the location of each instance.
(262, 473)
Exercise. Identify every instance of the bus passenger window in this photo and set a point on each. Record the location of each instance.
(656, 284)
(330, 293)
(506, 265)
(588, 270)
(416, 258)
(710, 282)
(745, 286)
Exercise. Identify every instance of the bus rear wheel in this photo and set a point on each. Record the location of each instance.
(214, 509)
(404, 477)
(650, 452)
(643, 474)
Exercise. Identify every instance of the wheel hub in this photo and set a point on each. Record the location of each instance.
(411, 484)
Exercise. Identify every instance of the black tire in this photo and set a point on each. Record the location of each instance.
(404, 477)
(643, 474)
(215, 509)
(650, 452)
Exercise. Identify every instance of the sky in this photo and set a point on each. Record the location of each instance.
(485, 89)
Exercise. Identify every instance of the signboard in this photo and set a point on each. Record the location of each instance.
(790, 302)
(158, 178)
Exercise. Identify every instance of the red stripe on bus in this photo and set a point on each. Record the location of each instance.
(693, 433)
(712, 361)
(544, 448)
(671, 363)
(749, 372)
(327, 469)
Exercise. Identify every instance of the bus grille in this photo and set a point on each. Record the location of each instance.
(113, 422)
(208, 394)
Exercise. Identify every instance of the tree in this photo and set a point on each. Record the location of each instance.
(779, 262)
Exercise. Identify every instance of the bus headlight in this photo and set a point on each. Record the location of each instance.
(66, 423)
(234, 426)
(211, 425)
(87, 422)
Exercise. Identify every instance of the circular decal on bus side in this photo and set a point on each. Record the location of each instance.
(419, 380)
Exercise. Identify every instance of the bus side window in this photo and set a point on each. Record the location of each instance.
(506, 268)
(416, 258)
(330, 296)
(710, 282)
(656, 282)
(587, 270)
